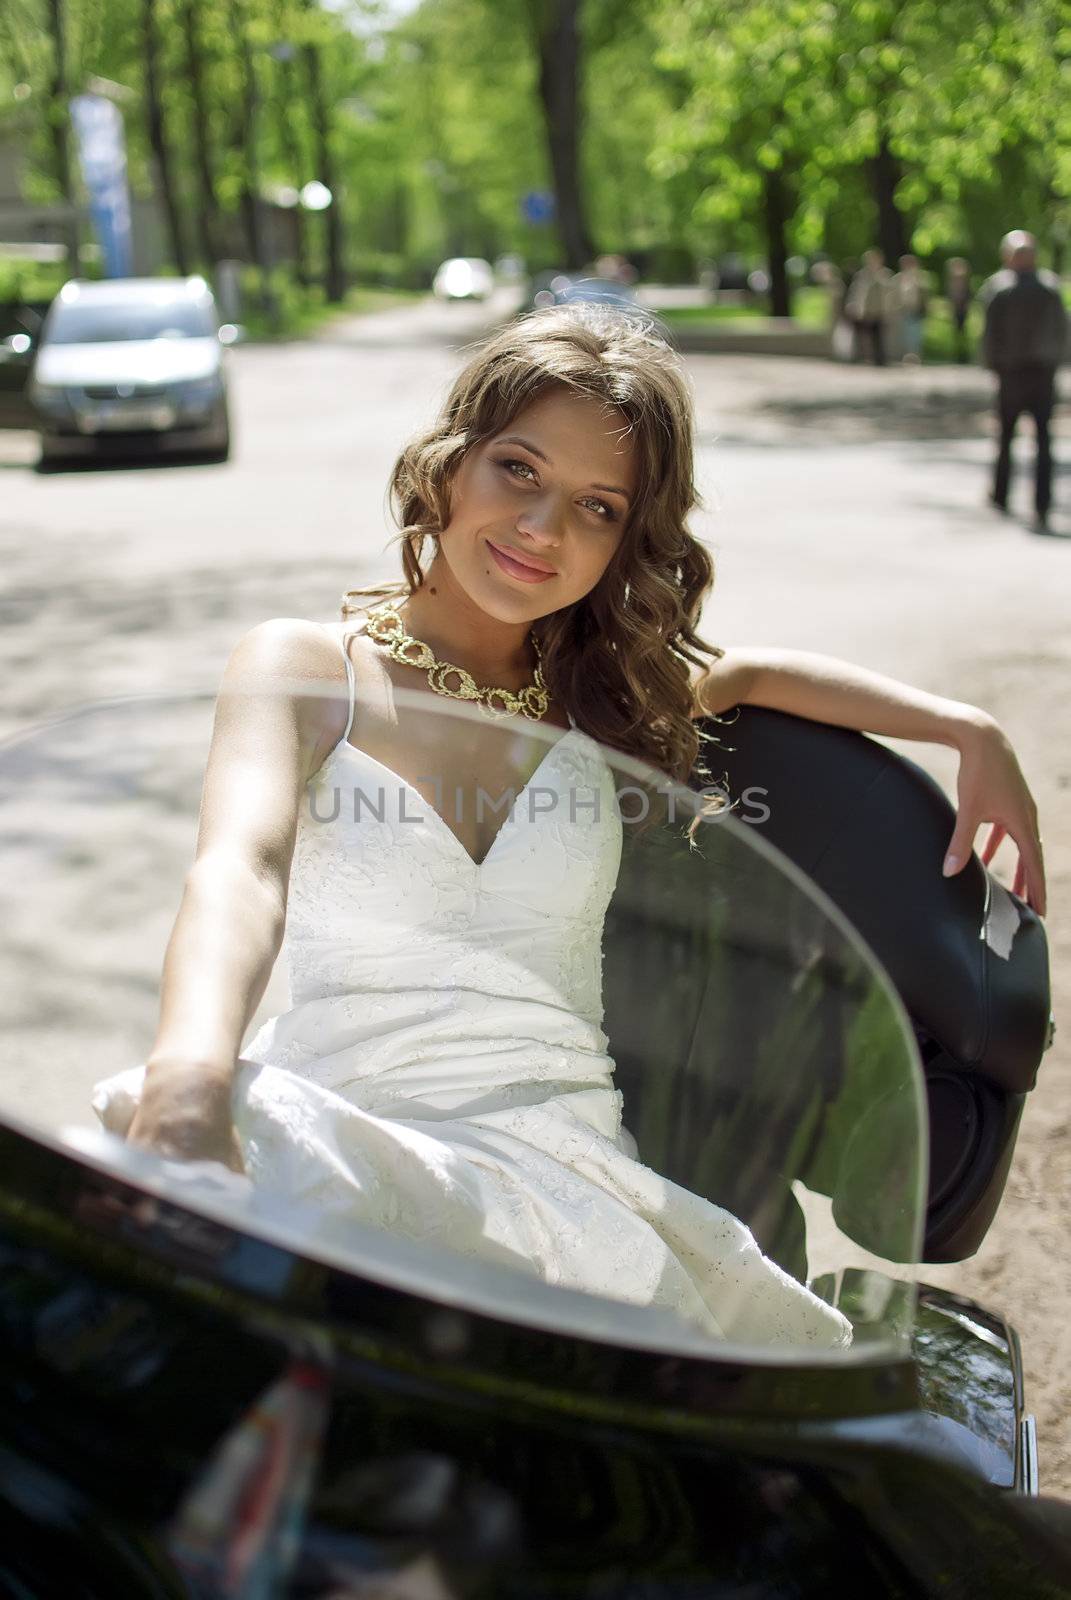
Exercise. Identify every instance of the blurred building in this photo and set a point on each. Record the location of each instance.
(35, 230)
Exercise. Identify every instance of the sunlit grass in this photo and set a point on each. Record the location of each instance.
(299, 311)
(810, 309)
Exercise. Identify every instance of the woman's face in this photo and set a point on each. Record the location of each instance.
(537, 512)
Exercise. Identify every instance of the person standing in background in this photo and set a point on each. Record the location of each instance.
(959, 295)
(910, 299)
(868, 305)
(1024, 342)
(829, 278)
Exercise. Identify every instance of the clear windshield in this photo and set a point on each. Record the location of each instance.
(548, 1033)
(77, 323)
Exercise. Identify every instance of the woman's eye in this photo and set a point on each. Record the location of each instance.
(608, 513)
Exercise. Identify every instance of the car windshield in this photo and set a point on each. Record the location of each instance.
(73, 322)
(569, 1045)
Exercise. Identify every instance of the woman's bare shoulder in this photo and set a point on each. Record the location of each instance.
(299, 662)
(291, 644)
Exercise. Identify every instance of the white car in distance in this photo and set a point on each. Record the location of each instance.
(464, 278)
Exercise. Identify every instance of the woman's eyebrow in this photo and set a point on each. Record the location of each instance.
(515, 438)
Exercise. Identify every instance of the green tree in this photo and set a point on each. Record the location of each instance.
(756, 102)
(474, 138)
(917, 105)
(159, 134)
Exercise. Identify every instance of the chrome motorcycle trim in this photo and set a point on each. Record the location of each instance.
(1027, 1457)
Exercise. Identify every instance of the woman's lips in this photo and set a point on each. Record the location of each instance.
(518, 569)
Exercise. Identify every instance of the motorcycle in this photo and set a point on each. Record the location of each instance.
(204, 1394)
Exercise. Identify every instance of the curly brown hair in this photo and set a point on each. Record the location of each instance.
(619, 659)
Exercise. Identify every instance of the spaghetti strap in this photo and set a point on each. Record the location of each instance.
(344, 645)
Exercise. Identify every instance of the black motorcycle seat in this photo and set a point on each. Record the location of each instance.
(871, 828)
(968, 959)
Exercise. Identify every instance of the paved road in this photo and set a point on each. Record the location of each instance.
(846, 509)
(139, 573)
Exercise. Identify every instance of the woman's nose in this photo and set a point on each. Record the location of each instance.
(542, 520)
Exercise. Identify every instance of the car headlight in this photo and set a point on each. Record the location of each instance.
(199, 389)
(197, 397)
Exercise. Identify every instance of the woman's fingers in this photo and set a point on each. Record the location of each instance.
(961, 844)
(1028, 881)
(997, 834)
(991, 788)
(1029, 877)
(1030, 873)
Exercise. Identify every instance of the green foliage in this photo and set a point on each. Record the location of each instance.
(959, 92)
(30, 280)
(689, 109)
(300, 310)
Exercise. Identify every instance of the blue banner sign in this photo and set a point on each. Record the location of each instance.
(98, 127)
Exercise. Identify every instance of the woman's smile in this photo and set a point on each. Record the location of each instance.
(525, 569)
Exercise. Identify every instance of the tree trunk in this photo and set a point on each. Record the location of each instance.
(207, 211)
(884, 171)
(158, 137)
(252, 208)
(288, 95)
(59, 119)
(776, 214)
(335, 278)
(1057, 229)
(559, 93)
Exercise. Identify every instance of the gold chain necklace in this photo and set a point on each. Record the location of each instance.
(384, 624)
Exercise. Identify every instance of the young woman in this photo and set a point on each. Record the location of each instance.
(442, 1068)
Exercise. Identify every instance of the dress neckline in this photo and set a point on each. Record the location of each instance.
(443, 825)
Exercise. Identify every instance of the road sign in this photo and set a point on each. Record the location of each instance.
(538, 205)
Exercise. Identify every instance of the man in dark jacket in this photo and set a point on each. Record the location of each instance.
(1025, 340)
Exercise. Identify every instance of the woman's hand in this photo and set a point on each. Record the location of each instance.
(991, 788)
(185, 1114)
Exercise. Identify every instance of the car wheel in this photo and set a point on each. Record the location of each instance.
(50, 455)
(221, 451)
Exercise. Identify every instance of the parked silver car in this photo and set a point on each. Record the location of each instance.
(132, 365)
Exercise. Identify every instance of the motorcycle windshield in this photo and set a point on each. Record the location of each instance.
(548, 1035)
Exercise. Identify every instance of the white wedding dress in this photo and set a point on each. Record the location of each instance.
(442, 1072)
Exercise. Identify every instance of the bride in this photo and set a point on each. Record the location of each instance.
(441, 1071)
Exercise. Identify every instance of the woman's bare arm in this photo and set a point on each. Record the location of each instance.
(827, 690)
(271, 727)
(991, 786)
